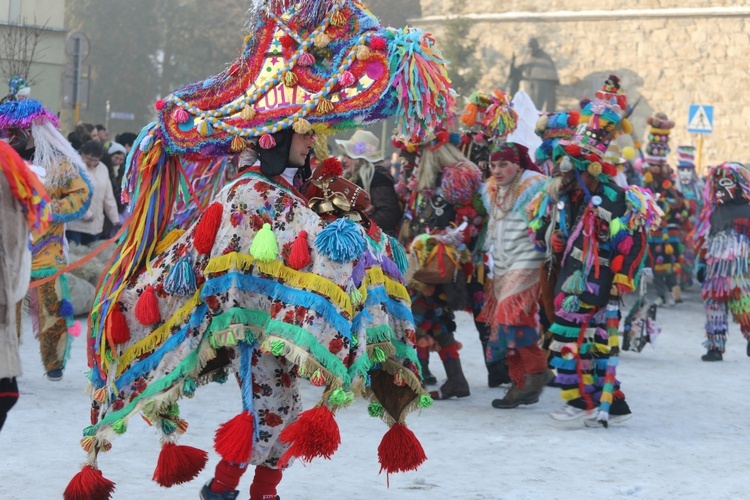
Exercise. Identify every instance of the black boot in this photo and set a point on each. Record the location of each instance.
(456, 386)
(515, 397)
(748, 348)
(497, 373)
(712, 355)
(427, 377)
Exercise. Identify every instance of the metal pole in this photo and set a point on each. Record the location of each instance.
(106, 118)
(699, 155)
(76, 80)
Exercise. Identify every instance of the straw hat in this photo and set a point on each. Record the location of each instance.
(363, 144)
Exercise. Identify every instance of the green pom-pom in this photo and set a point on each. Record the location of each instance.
(375, 409)
(571, 304)
(536, 224)
(341, 398)
(425, 401)
(356, 296)
(174, 410)
(277, 347)
(575, 284)
(264, 247)
(378, 355)
(615, 226)
(168, 426)
(120, 427)
(188, 387)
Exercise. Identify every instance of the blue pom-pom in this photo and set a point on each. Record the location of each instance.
(341, 241)
(571, 304)
(181, 278)
(66, 309)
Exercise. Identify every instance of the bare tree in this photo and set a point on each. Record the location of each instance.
(20, 47)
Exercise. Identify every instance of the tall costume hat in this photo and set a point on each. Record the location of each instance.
(601, 121)
(657, 148)
(328, 297)
(485, 123)
(686, 157)
(552, 128)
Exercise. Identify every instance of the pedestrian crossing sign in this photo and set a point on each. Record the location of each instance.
(700, 119)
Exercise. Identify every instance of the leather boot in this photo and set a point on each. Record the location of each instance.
(427, 377)
(712, 355)
(456, 386)
(533, 385)
(515, 397)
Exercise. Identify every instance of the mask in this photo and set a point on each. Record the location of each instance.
(725, 188)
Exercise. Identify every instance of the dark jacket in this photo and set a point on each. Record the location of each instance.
(383, 198)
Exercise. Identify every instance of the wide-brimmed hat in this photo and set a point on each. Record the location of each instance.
(363, 144)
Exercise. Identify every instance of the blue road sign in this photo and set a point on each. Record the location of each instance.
(700, 119)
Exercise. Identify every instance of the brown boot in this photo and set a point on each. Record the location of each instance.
(456, 386)
(515, 397)
(534, 384)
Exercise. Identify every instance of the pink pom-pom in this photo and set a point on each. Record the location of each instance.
(75, 330)
(180, 115)
(378, 43)
(347, 79)
(159, 105)
(478, 137)
(267, 141)
(306, 59)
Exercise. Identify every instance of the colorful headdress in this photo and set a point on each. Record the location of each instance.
(26, 188)
(500, 119)
(659, 128)
(552, 128)
(18, 89)
(739, 172)
(600, 122)
(24, 114)
(686, 157)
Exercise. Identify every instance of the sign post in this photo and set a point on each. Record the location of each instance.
(700, 121)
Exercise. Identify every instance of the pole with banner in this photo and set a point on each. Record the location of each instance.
(701, 122)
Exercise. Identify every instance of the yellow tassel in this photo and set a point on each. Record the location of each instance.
(290, 79)
(247, 113)
(238, 144)
(321, 40)
(87, 443)
(324, 106)
(302, 126)
(363, 52)
(338, 19)
(168, 240)
(627, 127)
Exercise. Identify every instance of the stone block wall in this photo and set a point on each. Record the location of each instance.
(668, 62)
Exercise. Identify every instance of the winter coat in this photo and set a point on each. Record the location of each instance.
(102, 202)
(15, 270)
(384, 199)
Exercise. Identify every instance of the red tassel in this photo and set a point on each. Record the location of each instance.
(117, 328)
(314, 434)
(400, 450)
(299, 256)
(331, 167)
(178, 464)
(573, 149)
(234, 439)
(147, 307)
(617, 263)
(208, 226)
(89, 483)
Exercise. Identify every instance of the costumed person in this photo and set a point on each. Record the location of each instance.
(664, 242)
(552, 128)
(595, 233)
(363, 165)
(722, 243)
(512, 309)
(486, 122)
(32, 131)
(447, 218)
(24, 204)
(262, 286)
(691, 187)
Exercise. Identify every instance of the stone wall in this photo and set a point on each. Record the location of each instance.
(669, 62)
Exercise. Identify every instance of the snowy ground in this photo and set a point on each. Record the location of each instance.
(688, 438)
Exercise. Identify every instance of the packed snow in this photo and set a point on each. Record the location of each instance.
(688, 437)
